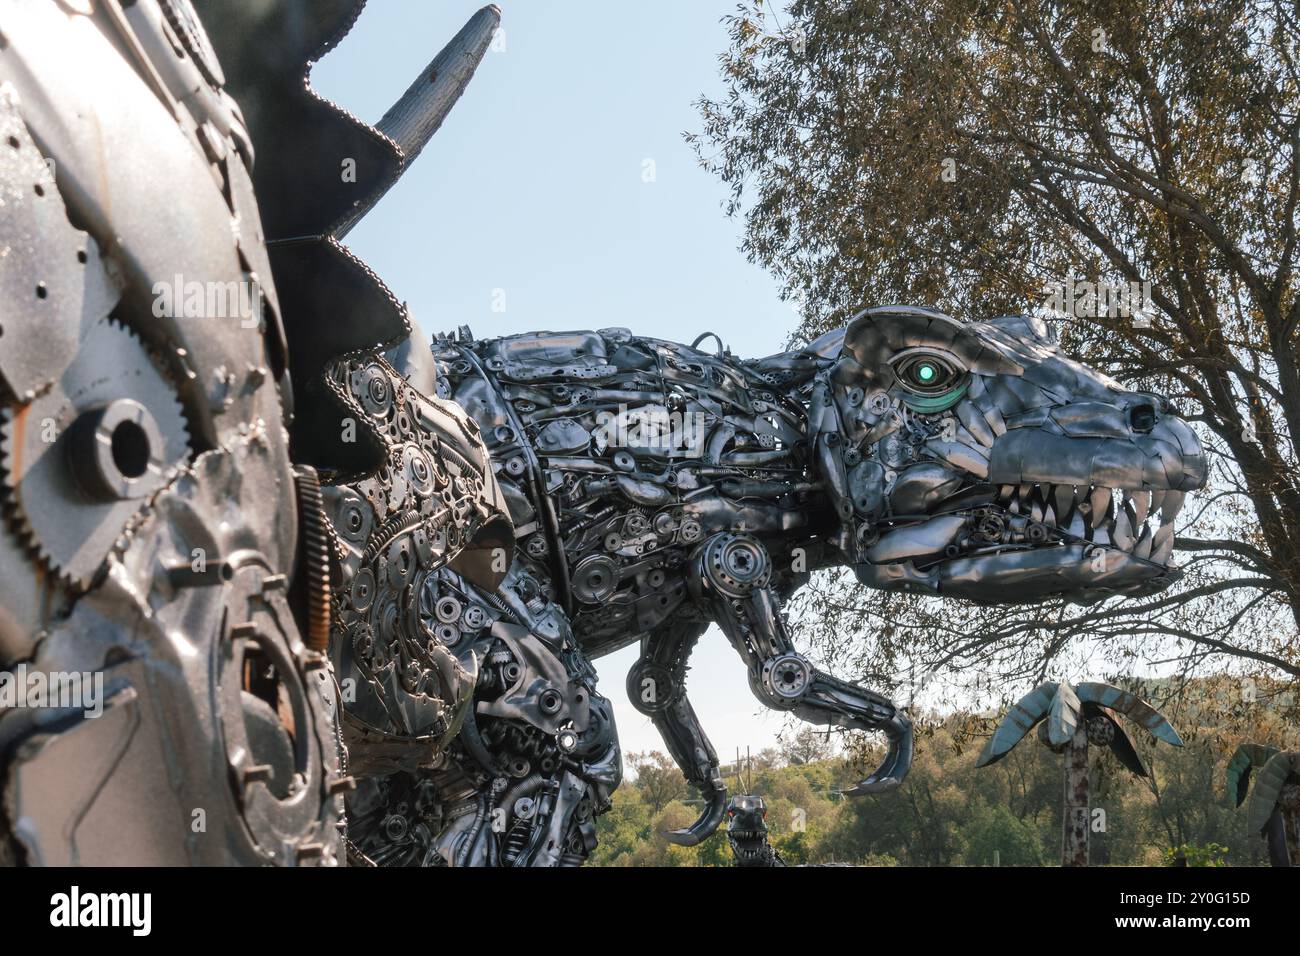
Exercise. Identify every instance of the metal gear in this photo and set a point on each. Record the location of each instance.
(78, 461)
(315, 558)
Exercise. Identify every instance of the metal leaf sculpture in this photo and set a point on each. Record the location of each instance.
(1269, 781)
(1246, 758)
(1090, 700)
(1069, 718)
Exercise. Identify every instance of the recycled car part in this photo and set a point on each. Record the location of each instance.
(965, 459)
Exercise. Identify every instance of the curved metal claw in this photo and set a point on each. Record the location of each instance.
(897, 762)
(703, 828)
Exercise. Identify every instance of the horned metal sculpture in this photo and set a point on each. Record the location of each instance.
(1274, 808)
(967, 460)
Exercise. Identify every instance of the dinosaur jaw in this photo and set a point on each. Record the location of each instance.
(1034, 541)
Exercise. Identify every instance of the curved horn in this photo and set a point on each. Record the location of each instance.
(897, 762)
(699, 831)
(413, 119)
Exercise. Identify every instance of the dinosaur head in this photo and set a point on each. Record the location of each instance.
(747, 830)
(975, 460)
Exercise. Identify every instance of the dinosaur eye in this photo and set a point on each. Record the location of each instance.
(933, 380)
(926, 374)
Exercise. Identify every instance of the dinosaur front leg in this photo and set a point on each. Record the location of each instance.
(730, 575)
(657, 688)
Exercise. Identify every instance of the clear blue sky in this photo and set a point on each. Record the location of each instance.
(534, 186)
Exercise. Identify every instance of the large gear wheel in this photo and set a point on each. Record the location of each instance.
(79, 461)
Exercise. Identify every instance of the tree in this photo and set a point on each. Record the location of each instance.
(996, 830)
(806, 745)
(982, 158)
(657, 778)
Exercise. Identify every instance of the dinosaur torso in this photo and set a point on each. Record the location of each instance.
(618, 455)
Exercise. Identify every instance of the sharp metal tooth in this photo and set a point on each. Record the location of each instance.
(1065, 498)
(1173, 504)
(1165, 534)
(1157, 500)
(1123, 532)
(1162, 548)
(1141, 507)
(1143, 548)
(1101, 535)
(1036, 511)
(1100, 502)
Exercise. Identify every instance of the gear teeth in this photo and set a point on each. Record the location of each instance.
(115, 376)
(315, 537)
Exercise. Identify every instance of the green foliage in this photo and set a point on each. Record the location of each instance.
(995, 829)
(1189, 854)
(949, 812)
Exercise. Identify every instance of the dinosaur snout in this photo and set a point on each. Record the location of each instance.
(1136, 442)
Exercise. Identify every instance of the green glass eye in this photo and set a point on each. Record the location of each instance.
(930, 381)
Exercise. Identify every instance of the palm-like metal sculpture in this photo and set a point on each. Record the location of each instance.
(1070, 718)
(1274, 811)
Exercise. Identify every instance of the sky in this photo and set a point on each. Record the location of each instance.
(560, 195)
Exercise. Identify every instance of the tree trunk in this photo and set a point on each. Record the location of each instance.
(1074, 818)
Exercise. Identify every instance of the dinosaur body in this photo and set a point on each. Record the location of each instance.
(656, 488)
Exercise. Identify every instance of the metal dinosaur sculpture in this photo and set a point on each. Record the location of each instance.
(495, 514)
(656, 488)
(747, 832)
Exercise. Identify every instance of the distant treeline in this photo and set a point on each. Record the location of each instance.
(948, 813)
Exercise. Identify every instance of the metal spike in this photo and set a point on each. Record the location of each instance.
(1141, 507)
(413, 119)
(1065, 498)
(1157, 500)
(1143, 548)
(1162, 548)
(1122, 533)
(1100, 501)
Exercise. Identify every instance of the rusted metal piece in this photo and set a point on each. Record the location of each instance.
(1075, 810)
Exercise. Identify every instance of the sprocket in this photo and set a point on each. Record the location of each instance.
(78, 461)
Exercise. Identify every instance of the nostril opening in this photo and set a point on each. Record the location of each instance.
(1142, 418)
